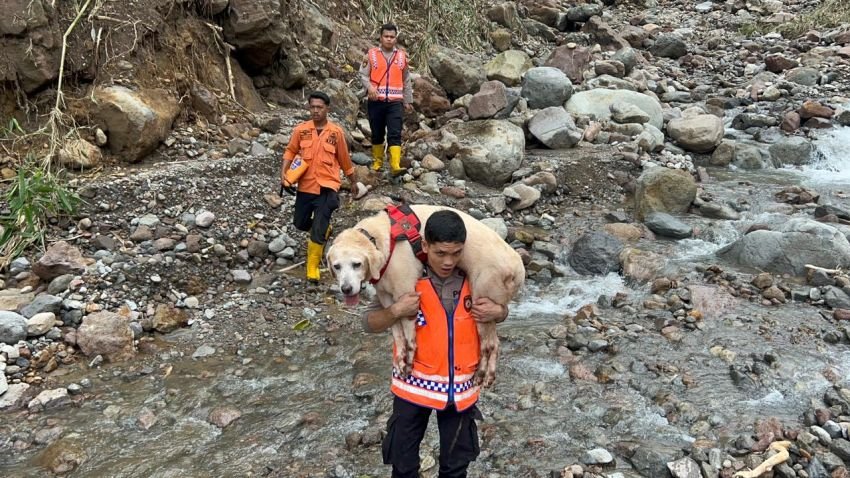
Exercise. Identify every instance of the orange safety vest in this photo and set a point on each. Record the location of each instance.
(447, 353)
(388, 75)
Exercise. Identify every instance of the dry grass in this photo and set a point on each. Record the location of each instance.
(829, 14)
(454, 23)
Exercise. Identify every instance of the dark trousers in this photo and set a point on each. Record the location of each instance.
(313, 212)
(406, 428)
(385, 117)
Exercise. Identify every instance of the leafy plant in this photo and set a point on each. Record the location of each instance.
(12, 127)
(33, 196)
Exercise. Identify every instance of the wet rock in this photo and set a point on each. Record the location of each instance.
(597, 456)
(664, 190)
(597, 103)
(59, 259)
(49, 399)
(107, 334)
(222, 417)
(666, 225)
(651, 460)
(555, 128)
(546, 86)
(792, 150)
(624, 232)
(63, 456)
(146, 419)
(699, 133)
(13, 327)
(13, 395)
(508, 67)
(596, 253)
(798, 242)
(203, 351)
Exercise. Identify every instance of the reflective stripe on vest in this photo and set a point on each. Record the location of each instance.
(388, 75)
(435, 378)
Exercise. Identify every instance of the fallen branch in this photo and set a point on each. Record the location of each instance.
(828, 271)
(227, 49)
(293, 266)
(781, 449)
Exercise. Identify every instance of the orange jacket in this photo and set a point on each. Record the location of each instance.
(388, 75)
(447, 353)
(326, 153)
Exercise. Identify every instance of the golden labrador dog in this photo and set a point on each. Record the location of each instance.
(493, 268)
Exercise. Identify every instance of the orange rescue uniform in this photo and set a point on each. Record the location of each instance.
(326, 154)
(387, 75)
(447, 353)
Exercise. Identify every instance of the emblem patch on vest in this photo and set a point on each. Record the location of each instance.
(467, 303)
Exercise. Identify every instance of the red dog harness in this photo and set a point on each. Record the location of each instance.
(404, 225)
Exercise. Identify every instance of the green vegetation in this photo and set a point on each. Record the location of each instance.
(33, 196)
(829, 14)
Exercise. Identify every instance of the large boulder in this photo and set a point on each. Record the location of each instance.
(546, 86)
(491, 99)
(661, 189)
(666, 225)
(428, 98)
(458, 73)
(256, 29)
(669, 46)
(107, 334)
(135, 121)
(13, 327)
(699, 133)
(788, 249)
(570, 59)
(791, 150)
(491, 150)
(555, 128)
(597, 104)
(596, 253)
(60, 258)
(508, 67)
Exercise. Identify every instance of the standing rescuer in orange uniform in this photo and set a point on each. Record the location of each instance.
(447, 355)
(385, 75)
(320, 144)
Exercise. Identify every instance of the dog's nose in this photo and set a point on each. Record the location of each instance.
(346, 289)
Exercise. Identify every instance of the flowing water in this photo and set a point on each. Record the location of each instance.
(300, 396)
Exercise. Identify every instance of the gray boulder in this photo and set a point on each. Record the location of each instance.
(459, 74)
(546, 86)
(798, 242)
(698, 133)
(555, 128)
(669, 46)
(597, 103)
(596, 253)
(804, 75)
(13, 327)
(664, 190)
(490, 150)
(666, 225)
(791, 150)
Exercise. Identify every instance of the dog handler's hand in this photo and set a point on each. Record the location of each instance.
(406, 306)
(485, 310)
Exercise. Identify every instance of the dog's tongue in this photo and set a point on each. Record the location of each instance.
(352, 299)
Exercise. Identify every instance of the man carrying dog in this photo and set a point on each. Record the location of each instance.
(385, 76)
(447, 354)
(320, 145)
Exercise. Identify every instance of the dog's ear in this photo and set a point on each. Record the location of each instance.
(373, 260)
(328, 260)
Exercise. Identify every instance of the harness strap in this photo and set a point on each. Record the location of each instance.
(404, 225)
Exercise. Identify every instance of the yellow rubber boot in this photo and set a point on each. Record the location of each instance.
(377, 157)
(395, 160)
(314, 258)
